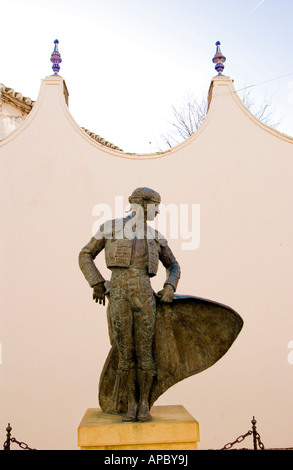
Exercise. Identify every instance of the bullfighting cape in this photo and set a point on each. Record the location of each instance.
(191, 334)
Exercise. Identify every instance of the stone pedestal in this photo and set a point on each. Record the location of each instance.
(172, 428)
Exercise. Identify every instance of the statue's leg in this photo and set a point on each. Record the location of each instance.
(145, 381)
(122, 324)
(129, 380)
(144, 324)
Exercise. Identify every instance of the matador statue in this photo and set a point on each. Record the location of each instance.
(157, 339)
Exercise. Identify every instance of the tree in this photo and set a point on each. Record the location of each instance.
(263, 111)
(188, 117)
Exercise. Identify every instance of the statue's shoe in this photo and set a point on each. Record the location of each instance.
(144, 413)
(131, 414)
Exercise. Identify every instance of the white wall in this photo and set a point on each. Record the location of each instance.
(54, 337)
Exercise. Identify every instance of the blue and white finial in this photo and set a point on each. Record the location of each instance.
(219, 59)
(56, 58)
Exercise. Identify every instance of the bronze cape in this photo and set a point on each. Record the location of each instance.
(191, 334)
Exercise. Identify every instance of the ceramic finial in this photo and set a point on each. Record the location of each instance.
(56, 58)
(219, 59)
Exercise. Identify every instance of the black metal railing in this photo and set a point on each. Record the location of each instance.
(256, 438)
(9, 439)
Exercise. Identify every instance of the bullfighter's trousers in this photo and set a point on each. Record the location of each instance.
(132, 315)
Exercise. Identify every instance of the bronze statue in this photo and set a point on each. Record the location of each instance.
(157, 339)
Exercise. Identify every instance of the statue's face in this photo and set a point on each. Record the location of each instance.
(145, 211)
(152, 211)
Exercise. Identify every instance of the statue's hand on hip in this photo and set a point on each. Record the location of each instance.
(166, 294)
(99, 293)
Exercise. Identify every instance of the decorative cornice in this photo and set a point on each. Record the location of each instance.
(10, 96)
(100, 139)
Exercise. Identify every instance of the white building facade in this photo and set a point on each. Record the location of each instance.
(55, 178)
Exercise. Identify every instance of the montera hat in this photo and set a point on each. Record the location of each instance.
(146, 194)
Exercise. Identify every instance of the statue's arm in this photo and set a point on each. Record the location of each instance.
(86, 260)
(171, 265)
(172, 273)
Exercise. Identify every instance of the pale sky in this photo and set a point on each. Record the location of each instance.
(127, 62)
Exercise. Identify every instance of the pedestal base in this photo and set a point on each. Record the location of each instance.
(172, 428)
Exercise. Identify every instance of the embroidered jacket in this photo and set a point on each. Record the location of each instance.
(116, 237)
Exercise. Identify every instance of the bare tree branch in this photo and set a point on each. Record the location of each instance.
(189, 116)
(262, 112)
